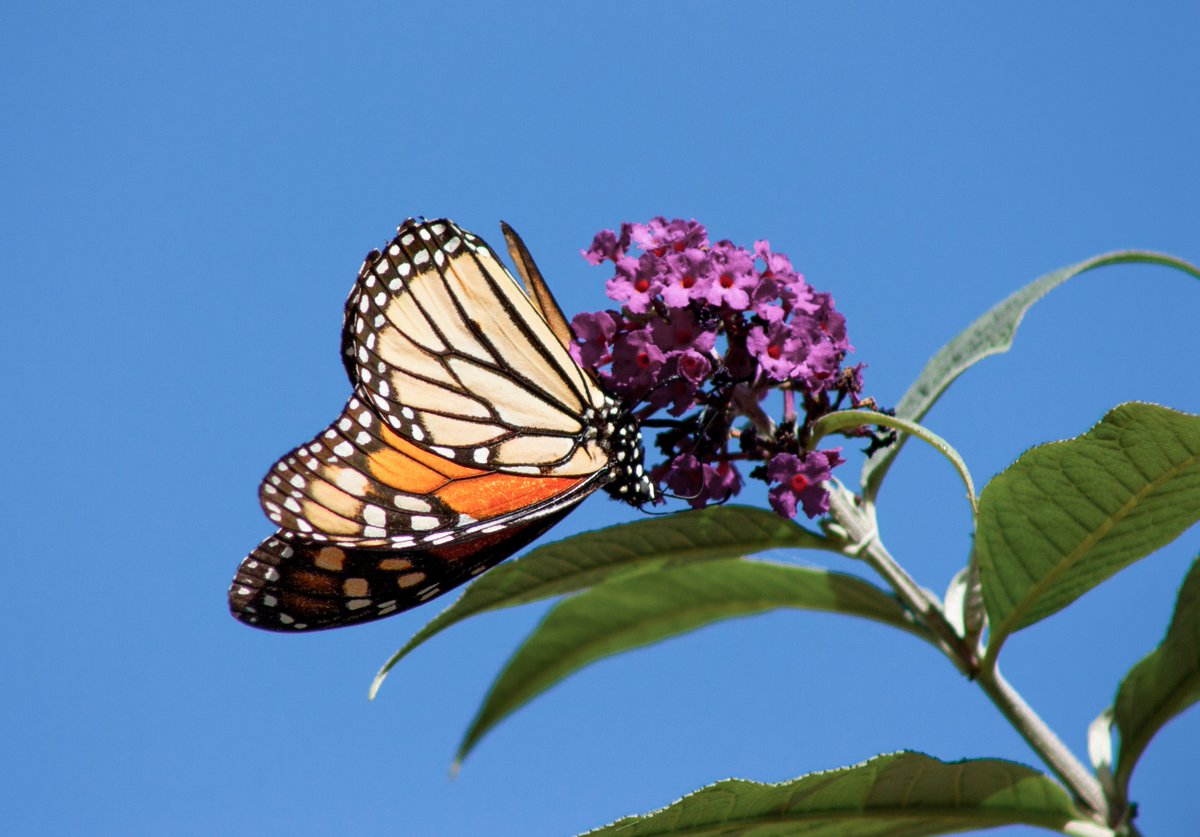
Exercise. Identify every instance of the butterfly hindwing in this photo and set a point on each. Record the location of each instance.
(289, 583)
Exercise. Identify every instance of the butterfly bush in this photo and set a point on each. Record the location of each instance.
(706, 332)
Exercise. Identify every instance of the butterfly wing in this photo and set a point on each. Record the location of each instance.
(469, 433)
(290, 583)
(535, 286)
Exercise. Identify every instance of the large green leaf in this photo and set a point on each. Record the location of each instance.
(896, 795)
(633, 612)
(581, 561)
(1163, 684)
(991, 334)
(1067, 515)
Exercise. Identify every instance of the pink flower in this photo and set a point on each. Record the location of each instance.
(799, 479)
(707, 333)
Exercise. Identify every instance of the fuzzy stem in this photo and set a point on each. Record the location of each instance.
(1042, 739)
(859, 526)
(860, 530)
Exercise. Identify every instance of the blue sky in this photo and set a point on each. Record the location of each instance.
(188, 190)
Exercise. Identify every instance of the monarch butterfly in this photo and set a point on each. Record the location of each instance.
(470, 432)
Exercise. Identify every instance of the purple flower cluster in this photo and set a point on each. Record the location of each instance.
(706, 331)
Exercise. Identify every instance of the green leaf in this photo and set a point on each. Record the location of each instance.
(1163, 684)
(842, 419)
(579, 562)
(991, 334)
(898, 794)
(633, 612)
(1067, 515)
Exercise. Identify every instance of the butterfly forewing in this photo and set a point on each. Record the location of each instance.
(454, 355)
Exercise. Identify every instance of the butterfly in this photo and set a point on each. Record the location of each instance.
(470, 431)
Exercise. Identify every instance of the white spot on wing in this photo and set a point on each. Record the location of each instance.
(410, 503)
(374, 515)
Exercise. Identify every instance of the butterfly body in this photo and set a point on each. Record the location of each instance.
(470, 431)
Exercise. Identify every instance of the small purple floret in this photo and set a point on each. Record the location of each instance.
(799, 479)
(595, 335)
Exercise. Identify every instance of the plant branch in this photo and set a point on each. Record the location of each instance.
(1042, 739)
(858, 524)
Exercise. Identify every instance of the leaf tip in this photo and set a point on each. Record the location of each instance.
(377, 683)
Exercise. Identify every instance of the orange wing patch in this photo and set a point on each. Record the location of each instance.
(480, 494)
(448, 468)
(495, 494)
(403, 472)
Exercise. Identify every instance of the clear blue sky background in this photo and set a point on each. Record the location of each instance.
(187, 192)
